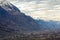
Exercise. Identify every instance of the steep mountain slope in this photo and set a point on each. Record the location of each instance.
(14, 21)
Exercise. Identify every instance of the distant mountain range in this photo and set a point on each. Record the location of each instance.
(49, 25)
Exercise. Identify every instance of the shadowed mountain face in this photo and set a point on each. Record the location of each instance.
(12, 20)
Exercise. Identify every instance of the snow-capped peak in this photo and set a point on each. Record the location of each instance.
(4, 3)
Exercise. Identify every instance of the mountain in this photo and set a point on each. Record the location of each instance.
(49, 25)
(12, 20)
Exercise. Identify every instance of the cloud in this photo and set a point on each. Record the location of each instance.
(43, 9)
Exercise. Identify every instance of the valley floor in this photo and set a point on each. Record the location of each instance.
(46, 35)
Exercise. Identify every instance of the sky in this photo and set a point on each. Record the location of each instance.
(39, 9)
